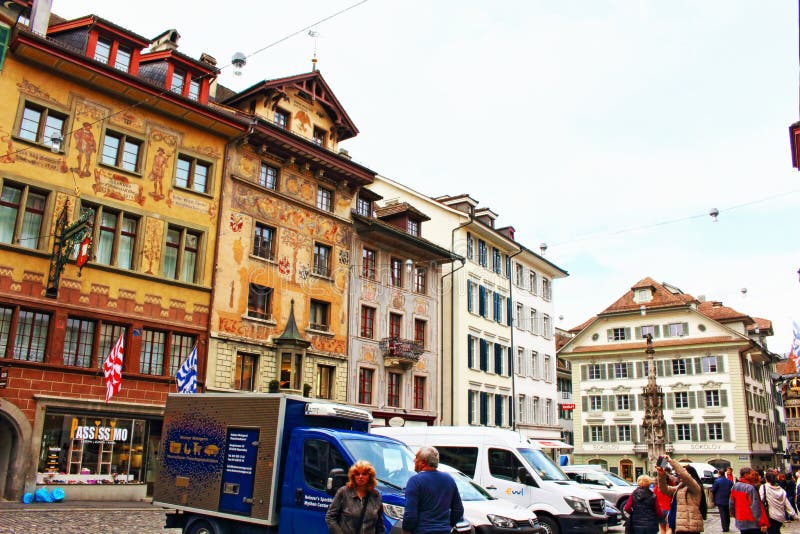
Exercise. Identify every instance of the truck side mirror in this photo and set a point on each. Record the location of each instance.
(336, 479)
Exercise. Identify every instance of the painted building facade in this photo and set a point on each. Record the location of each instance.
(144, 179)
(711, 363)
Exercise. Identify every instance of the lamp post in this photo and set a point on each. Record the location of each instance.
(66, 238)
(653, 422)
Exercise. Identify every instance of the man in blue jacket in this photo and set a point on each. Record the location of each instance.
(721, 490)
(433, 505)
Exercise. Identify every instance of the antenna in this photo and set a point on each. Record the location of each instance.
(314, 34)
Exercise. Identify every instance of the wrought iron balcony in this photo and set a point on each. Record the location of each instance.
(400, 352)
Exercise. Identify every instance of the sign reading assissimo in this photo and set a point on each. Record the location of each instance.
(98, 431)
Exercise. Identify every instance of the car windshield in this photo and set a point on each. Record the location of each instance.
(616, 480)
(543, 465)
(468, 489)
(393, 462)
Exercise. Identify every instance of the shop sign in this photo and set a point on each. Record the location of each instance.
(744, 457)
(568, 407)
(3, 377)
(98, 433)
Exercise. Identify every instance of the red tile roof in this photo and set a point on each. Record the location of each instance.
(661, 344)
(662, 298)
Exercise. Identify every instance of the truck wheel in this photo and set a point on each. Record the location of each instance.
(203, 526)
(549, 524)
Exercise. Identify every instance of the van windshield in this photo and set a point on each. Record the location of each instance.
(543, 465)
(393, 462)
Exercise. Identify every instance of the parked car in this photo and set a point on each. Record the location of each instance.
(704, 471)
(488, 514)
(614, 515)
(616, 490)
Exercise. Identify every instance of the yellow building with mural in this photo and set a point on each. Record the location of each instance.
(279, 313)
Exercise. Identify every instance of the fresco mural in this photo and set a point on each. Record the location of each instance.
(84, 138)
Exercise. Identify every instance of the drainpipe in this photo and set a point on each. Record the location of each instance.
(513, 352)
(452, 325)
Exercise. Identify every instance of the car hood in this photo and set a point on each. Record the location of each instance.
(574, 490)
(475, 511)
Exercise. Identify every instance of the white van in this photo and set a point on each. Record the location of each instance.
(509, 466)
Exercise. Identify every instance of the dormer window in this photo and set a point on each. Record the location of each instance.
(119, 56)
(412, 227)
(194, 89)
(102, 51)
(364, 207)
(642, 295)
(178, 79)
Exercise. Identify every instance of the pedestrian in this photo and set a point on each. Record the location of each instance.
(357, 507)
(791, 489)
(778, 508)
(729, 474)
(664, 503)
(689, 496)
(721, 492)
(433, 505)
(642, 509)
(747, 509)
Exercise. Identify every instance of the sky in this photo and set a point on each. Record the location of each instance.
(607, 129)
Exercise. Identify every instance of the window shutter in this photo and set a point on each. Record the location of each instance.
(511, 415)
(685, 329)
(689, 366)
(656, 331)
(671, 432)
(723, 397)
(726, 432)
(585, 434)
(632, 400)
(469, 295)
(670, 401)
(470, 406)
(701, 399)
(641, 401)
(720, 364)
(482, 301)
(629, 368)
(5, 32)
(470, 352)
(627, 333)
(692, 399)
(698, 365)
(610, 403)
(484, 408)
(610, 370)
(484, 355)
(585, 404)
(584, 371)
(668, 368)
(606, 433)
(638, 332)
(603, 372)
(660, 367)
(612, 433)
(509, 319)
(510, 362)
(635, 433)
(610, 334)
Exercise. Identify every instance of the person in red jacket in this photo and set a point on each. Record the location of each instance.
(746, 507)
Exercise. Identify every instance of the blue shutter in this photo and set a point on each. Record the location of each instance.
(508, 311)
(510, 363)
(498, 410)
(484, 408)
(511, 412)
(470, 406)
(498, 358)
(482, 301)
(469, 246)
(484, 363)
(469, 295)
(470, 352)
(496, 306)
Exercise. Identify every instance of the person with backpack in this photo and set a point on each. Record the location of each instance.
(721, 491)
(777, 505)
(641, 507)
(689, 496)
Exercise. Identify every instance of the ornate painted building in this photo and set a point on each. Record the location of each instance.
(114, 133)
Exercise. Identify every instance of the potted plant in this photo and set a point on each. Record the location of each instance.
(274, 386)
(306, 390)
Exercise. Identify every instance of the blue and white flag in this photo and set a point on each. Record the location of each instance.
(187, 374)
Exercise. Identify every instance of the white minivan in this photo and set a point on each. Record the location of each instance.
(509, 466)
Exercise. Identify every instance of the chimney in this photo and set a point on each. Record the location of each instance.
(40, 16)
(211, 61)
(166, 41)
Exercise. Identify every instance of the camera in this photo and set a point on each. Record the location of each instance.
(662, 462)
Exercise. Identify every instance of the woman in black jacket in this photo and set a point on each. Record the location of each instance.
(641, 507)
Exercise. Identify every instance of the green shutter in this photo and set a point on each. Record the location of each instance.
(610, 334)
(689, 367)
(701, 399)
(720, 364)
(723, 397)
(670, 401)
(627, 333)
(726, 432)
(638, 332)
(698, 365)
(585, 434)
(671, 432)
(585, 404)
(5, 33)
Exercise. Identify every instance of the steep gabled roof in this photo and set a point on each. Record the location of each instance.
(400, 207)
(662, 298)
(723, 314)
(313, 85)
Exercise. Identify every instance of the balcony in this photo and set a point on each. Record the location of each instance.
(398, 352)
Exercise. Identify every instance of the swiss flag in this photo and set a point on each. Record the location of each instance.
(112, 368)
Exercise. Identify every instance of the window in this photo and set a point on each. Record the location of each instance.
(679, 366)
(535, 326)
(620, 370)
(683, 432)
(395, 325)
(649, 329)
(318, 315)
(109, 335)
(497, 265)
(547, 330)
(319, 136)
(715, 432)
(291, 370)
(364, 207)
(419, 392)
(368, 261)
(677, 329)
(504, 464)
(367, 322)
(642, 295)
(596, 433)
(259, 302)
(21, 213)
(30, 339)
(325, 376)
(180, 347)
(102, 50)
(533, 283)
(470, 246)
(393, 389)
(617, 334)
(178, 81)
(319, 457)
(123, 59)
(595, 403)
(322, 260)
(263, 241)
(191, 173)
(115, 237)
(325, 199)
(482, 252)
(682, 399)
(181, 255)
(623, 403)
(121, 151)
(594, 371)
(713, 398)
(547, 293)
(78, 342)
(420, 276)
(412, 227)
(396, 272)
(419, 332)
(365, 385)
(710, 364)
(268, 176)
(519, 270)
(151, 355)
(194, 89)
(624, 433)
(281, 118)
(40, 124)
(548, 372)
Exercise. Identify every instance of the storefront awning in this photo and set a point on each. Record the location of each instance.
(551, 444)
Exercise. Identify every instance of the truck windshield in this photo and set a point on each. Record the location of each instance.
(393, 462)
(543, 465)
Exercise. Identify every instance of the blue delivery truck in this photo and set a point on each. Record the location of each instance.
(268, 463)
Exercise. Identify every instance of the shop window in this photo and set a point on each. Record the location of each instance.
(21, 213)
